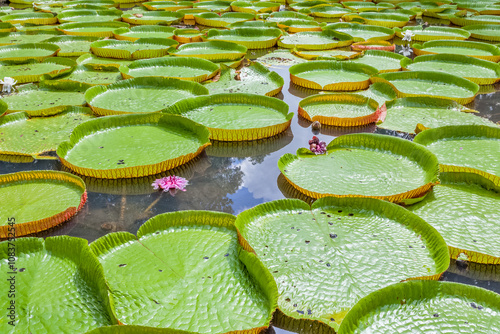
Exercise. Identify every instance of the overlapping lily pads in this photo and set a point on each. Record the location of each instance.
(327, 11)
(323, 54)
(213, 50)
(431, 33)
(366, 242)
(97, 147)
(21, 37)
(152, 18)
(236, 116)
(98, 63)
(488, 32)
(79, 15)
(134, 33)
(472, 20)
(383, 61)
(389, 20)
(299, 25)
(214, 6)
(315, 40)
(32, 70)
(37, 201)
(33, 18)
(72, 46)
(96, 29)
(216, 21)
(88, 76)
(37, 51)
(252, 38)
(366, 165)
(361, 32)
(167, 5)
(140, 49)
(254, 6)
(473, 49)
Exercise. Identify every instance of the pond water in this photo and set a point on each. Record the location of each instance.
(230, 177)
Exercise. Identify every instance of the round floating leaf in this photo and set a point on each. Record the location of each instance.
(216, 21)
(236, 117)
(33, 18)
(90, 60)
(252, 38)
(176, 252)
(425, 305)
(339, 109)
(297, 6)
(38, 200)
(362, 6)
(326, 11)
(32, 70)
(48, 99)
(366, 165)
(361, 32)
(254, 7)
(473, 49)
(97, 147)
(430, 84)
(380, 92)
(140, 95)
(19, 37)
(253, 79)
(480, 71)
(253, 24)
(96, 29)
(430, 33)
(383, 61)
(153, 18)
(187, 35)
(213, 50)
(388, 20)
(319, 54)
(325, 258)
(170, 6)
(465, 208)
(214, 6)
(134, 33)
(21, 135)
(488, 32)
(88, 76)
(72, 46)
(79, 15)
(77, 300)
(474, 20)
(37, 51)
(140, 49)
(332, 75)
(286, 15)
(468, 146)
(373, 45)
(408, 113)
(192, 69)
(315, 40)
(299, 25)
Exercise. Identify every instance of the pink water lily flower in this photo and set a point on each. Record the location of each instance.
(170, 184)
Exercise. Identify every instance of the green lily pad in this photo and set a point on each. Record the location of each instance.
(341, 240)
(430, 84)
(79, 15)
(324, 54)
(407, 113)
(213, 50)
(134, 33)
(388, 20)
(383, 61)
(72, 46)
(332, 75)
(380, 92)
(297, 6)
(8, 38)
(253, 79)
(100, 62)
(362, 6)
(464, 208)
(19, 52)
(153, 18)
(236, 116)
(367, 165)
(361, 32)
(254, 7)
(96, 29)
(468, 146)
(192, 69)
(214, 6)
(102, 3)
(187, 35)
(79, 301)
(31, 70)
(140, 49)
(473, 49)
(435, 306)
(33, 18)
(140, 95)
(167, 5)
(480, 71)
(280, 57)
(432, 33)
(216, 21)
(7, 27)
(488, 32)
(328, 11)
(472, 20)
(315, 40)
(252, 38)
(253, 24)
(22, 135)
(169, 258)
(286, 15)
(47, 99)
(300, 25)
(90, 76)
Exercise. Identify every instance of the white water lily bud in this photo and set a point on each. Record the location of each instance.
(8, 84)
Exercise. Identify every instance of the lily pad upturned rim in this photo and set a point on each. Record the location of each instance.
(185, 105)
(273, 35)
(406, 291)
(379, 19)
(429, 75)
(48, 222)
(66, 28)
(475, 27)
(120, 33)
(36, 18)
(152, 82)
(295, 70)
(464, 34)
(340, 121)
(65, 17)
(419, 49)
(416, 153)
(68, 38)
(243, 6)
(235, 51)
(458, 59)
(104, 123)
(213, 20)
(23, 78)
(7, 27)
(294, 25)
(385, 54)
(356, 26)
(322, 11)
(339, 40)
(163, 18)
(469, 20)
(165, 45)
(52, 48)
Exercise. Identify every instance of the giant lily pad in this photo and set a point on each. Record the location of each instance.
(36, 51)
(325, 11)
(7, 27)
(407, 113)
(187, 35)
(430, 84)
(473, 20)
(192, 69)
(300, 25)
(88, 76)
(213, 50)
(79, 15)
(134, 33)
(361, 32)
(9, 38)
(236, 293)
(254, 6)
(140, 49)
(365, 6)
(253, 79)
(339, 109)
(140, 95)
(299, 5)
(323, 54)
(252, 38)
(480, 71)
(325, 258)
(96, 29)
(383, 61)
(429, 305)
(95, 62)
(488, 32)
(168, 5)
(389, 20)
(473, 49)
(380, 92)
(153, 18)
(47, 99)
(467, 146)
(286, 15)
(214, 6)
(332, 75)
(216, 21)
(37, 201)
(72, 46)
(367, 165)
(431, 33)
(33, 18)
(315, 40)
(236, 117)
(32, 70)
(464, 208)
